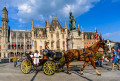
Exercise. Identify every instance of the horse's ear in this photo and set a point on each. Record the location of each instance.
(103, 39)
(100, 38)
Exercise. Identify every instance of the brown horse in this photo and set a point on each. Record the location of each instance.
(88, 55)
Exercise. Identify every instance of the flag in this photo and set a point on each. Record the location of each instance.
(24, 41)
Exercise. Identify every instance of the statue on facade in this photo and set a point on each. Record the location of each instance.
(72, 22)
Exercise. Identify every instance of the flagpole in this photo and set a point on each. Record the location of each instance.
(16, 43)
(31, 44)
(24, 43)
(10, 47)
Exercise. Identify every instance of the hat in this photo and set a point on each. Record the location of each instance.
(47, 41)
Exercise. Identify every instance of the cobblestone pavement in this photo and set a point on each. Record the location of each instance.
(9, 73)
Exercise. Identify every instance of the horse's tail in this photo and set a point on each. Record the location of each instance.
(64, 59)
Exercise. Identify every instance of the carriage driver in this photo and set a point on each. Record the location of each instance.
(50, 51)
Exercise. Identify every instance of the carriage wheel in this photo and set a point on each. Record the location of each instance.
(49, 67)
(25, 66)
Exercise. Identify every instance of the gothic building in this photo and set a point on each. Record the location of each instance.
(60, 38)
(12, 41)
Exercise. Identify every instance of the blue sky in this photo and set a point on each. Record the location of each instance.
(102, 14)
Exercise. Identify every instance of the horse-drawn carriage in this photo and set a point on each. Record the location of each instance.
(49, 66)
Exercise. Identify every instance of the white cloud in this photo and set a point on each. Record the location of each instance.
(24, 8)
(112, 36)
(39, 9)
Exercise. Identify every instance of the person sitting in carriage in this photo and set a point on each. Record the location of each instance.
(50, 51)
(36, 57)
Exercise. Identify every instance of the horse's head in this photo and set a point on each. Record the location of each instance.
(103, 44)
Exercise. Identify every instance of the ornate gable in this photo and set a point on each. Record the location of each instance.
(55, 23)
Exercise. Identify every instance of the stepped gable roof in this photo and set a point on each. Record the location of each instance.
(40, 31)
(89, 34)
(54, 24)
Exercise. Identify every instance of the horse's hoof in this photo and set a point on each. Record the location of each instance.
(69, 73)
(81, 73)
(99, 74)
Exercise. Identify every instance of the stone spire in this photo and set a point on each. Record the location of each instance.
(96, 30)
(78, 27)
(65, 23)
(100, 34)
(81, 28)
(5, 12)
(32, 24)
(47, 22)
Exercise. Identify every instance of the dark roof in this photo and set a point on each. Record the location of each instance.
(89, 34)
(54, 24)
(40, 31)
(20, 33)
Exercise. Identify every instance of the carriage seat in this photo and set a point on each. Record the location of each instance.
(45, 51)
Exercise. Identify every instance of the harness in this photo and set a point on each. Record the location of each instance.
(79, 55)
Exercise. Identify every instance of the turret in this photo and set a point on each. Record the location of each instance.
(100, 34)
(65, 24)
(81, 29)
(47, 23)
(78, 27)
(4, 36)
(47, 27)
(32, 24)
(5, 12)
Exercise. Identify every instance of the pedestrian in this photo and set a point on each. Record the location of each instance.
(114, 61)
(15, 60)
(118, 55)
(100, 62)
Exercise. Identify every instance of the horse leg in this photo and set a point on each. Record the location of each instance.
(68, 69)
(83, 67)
(93, 64)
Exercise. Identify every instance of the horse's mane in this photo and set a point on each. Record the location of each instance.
(93, 45)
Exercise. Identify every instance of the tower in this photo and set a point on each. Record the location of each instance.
(47, 27)
(65, 27)
(4, 38)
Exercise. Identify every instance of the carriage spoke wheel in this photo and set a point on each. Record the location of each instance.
(49, 67)
(25, 66)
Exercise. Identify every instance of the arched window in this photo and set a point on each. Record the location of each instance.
(58, 44)
(35, 45)
(63, 36)
(57, 34)
(85, 36)
(51, 35)
(91, 36)
(63, 43)
(52, 44)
